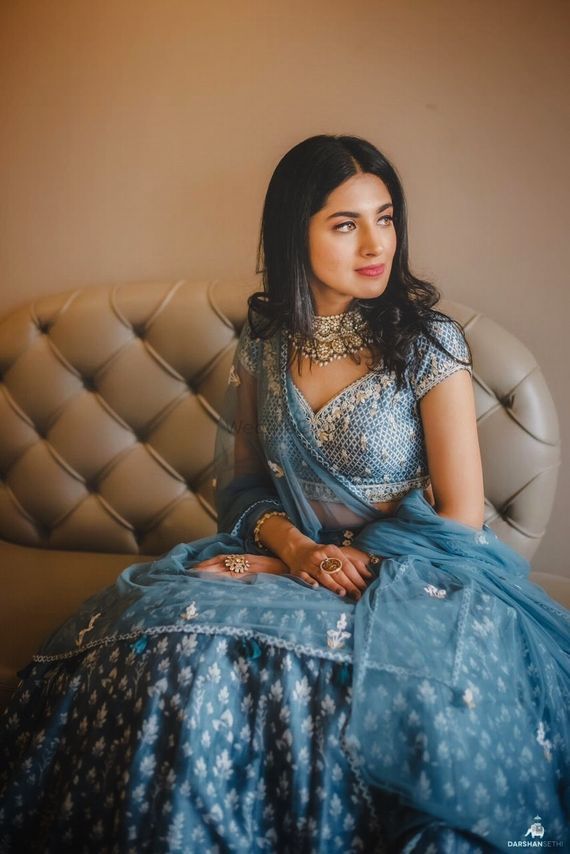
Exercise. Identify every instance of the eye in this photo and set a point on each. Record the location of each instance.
(385, 218)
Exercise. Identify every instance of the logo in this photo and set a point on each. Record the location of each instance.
(536, 834)
(536, 829)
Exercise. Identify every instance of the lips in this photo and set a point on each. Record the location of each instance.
(372, 271)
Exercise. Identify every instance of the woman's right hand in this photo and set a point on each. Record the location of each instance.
(304, 557)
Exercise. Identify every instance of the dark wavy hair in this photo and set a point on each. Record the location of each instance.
(299, 188)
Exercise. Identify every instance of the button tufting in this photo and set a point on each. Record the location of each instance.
(43, 531)
(503, 385)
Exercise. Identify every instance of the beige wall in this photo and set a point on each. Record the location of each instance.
(137, 138)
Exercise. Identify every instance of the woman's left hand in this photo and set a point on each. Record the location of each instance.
(257, 563)
(361, 562)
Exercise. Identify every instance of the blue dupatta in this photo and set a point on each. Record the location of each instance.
(461, 666)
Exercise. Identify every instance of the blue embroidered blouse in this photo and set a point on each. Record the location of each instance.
(371, 432)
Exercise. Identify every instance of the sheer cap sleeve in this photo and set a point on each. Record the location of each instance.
(248, 351)
(243, 486)
(433, 363)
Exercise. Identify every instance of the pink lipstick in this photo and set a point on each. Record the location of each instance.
(372, 271)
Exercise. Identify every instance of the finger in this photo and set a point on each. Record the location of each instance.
(211, 561)
(204, 566)
(304, 576)
(363, 570)
(213, 564)
(348, 577)
(351, 572)
(212, 568)
(328, 581)
(361, 561)
(336, 581)
(351, 588)
(361, 555)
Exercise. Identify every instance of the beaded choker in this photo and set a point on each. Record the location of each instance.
(334, 336)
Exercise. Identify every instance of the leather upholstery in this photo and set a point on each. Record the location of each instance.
(108, 410)
(108, 407)
(518, 431)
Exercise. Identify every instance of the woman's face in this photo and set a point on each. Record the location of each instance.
(352, 231)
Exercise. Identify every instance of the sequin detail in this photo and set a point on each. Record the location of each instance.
(89, 628)
(190, 613)
(370, 433)
(336, 637)
(233, 378)
(436, 592)
(275, 468)
(545, 743)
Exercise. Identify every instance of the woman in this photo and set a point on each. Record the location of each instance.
(269, 688)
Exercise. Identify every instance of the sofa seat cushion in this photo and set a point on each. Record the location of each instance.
(40, 589)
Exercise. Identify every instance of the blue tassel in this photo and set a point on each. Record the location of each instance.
(256, 650)
(250, 649)
(139, 645)
(344, 675)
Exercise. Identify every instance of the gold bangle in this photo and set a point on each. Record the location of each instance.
(263, 518)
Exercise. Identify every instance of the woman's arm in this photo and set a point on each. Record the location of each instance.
(244, 488)
(452, 446)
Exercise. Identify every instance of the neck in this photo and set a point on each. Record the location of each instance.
(332, 308)
(331, 316)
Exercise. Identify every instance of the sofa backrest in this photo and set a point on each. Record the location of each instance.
(109, 399)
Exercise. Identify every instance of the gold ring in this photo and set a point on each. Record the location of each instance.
(236, 563)
(331, 565)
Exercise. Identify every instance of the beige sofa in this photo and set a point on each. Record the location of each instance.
(108, 406)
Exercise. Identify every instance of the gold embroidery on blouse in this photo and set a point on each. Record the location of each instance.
(233, 378)
(437, 373)
(276, 469)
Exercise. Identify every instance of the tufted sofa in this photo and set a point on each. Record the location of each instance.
(108, 406)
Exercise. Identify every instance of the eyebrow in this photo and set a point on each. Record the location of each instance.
(356, 215)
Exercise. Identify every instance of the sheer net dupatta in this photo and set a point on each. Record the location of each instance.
(267, 454)
(244, 488)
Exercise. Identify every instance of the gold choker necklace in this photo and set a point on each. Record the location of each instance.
(334, 336)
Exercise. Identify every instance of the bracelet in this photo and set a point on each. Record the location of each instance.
(263, 518)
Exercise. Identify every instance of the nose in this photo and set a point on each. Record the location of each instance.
(372, 242)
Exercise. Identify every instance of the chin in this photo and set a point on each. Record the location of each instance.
(371, 292)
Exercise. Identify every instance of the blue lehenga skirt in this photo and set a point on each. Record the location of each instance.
(179, 711)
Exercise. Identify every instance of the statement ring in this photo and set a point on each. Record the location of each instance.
(236, 563)
(331, 565)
